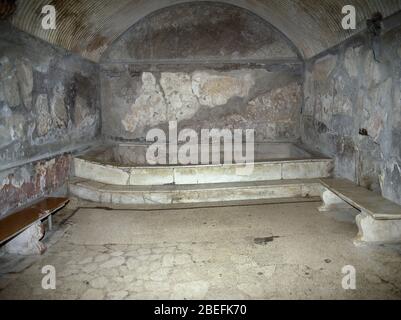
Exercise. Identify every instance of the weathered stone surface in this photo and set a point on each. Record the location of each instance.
(100, 172)
(190, 290)
(391, 180)
(216, 89)
(113, 262)
(34, 114)
(18, 125)
(180, 99)
(81, 110)
(372, 230)
(44, 120)
(133, 103)
(99, 282)
(5, 136)
(28, 242)
(253, 290)
(342, 99)
(59, 111)
(306, 170)
(278, 105)
(117, 295)
(331, 201)
(149, 108)
(353, 115)
(277, 49)
(201, 100)
(324, 66)
(90, 190)
(324, 101)
(143, 176)
(10, 83)
(375, 72)
(309, 94)
(25, 78)
(374, 116)
(351, 61)
(2, 94)
(93, 294)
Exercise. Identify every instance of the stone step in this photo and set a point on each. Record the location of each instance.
(202, 174)
(193, 193)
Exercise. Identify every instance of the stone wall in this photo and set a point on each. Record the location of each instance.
(49, 107)
(205, 65)
(352, 112)
(269, 102)
(23, 184)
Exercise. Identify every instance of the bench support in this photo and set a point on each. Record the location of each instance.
(50, 222)
(372, 230)
(28, 242)
(332, 202)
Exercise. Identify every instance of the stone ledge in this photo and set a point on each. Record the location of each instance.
(212, 192)
(201, 174)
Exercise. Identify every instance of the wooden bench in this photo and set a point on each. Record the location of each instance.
(379, 220)
(16, 224)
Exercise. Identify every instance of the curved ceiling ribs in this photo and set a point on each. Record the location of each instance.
(88, 27)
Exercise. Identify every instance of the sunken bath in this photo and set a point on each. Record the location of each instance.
(125, 164)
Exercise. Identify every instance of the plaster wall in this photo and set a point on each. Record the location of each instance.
(49, 108)
(352, 111)
(204, 65)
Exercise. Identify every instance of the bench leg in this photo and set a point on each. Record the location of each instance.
(28, 241)
(372, 230)
(331, 201)
(50, 222)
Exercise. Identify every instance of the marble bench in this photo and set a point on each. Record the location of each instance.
(23, 229)
(379, 219)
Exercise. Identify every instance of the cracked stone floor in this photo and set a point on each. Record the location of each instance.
(263, 251)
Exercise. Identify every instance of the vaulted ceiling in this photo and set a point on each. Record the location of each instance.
(88, 27)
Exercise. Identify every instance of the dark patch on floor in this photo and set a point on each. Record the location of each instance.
(264, 240)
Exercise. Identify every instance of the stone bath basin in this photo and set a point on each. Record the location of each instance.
(125, 164)
(134, 154)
